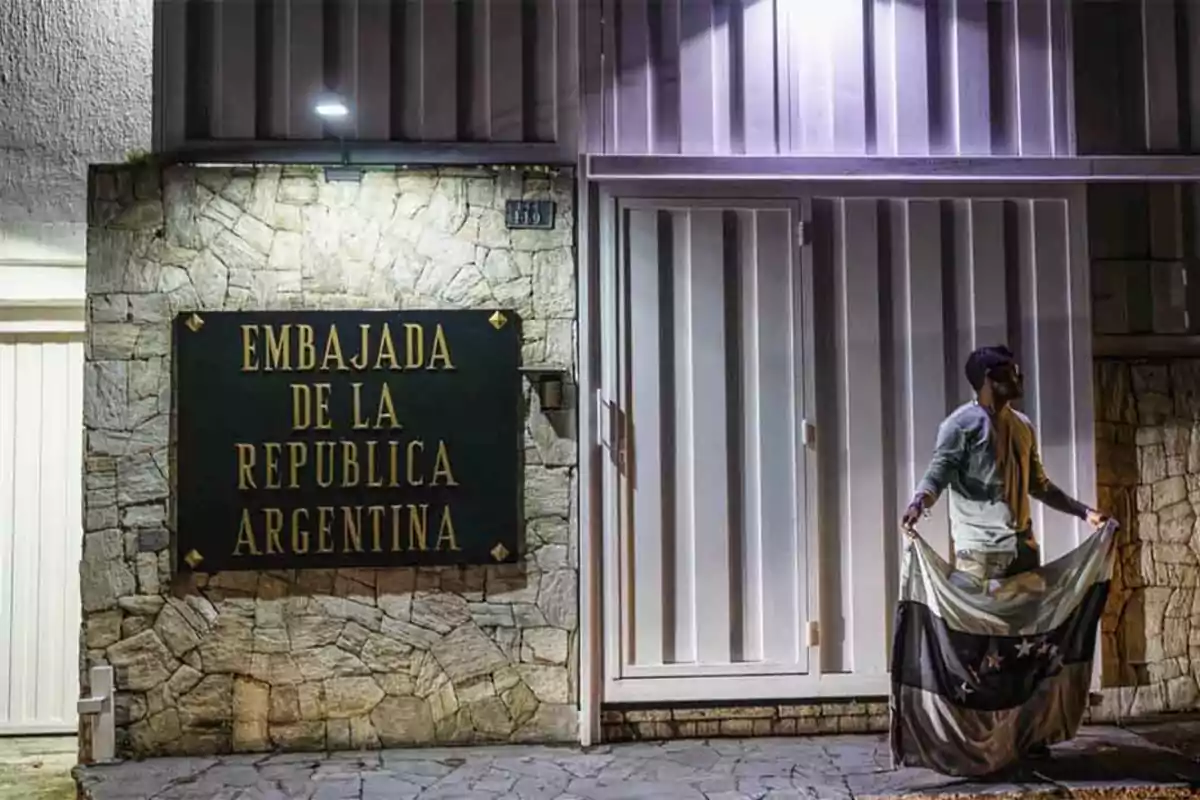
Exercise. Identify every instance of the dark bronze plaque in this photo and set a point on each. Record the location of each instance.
(537, 214)
(315, 439)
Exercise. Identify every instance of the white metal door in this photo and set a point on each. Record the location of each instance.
(41, 421)
(709, 546)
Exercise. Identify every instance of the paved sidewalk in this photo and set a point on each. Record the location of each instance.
(1102, 762)
(37, 768)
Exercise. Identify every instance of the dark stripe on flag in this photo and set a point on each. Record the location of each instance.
(989, 673)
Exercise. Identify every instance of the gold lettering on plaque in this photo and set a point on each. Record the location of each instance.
(299, 534)
(410, 474)
(274, 526)
(387, 350)
(414, 345)
(441, 467)
(333, 351)
(359, 362)
(306, 348)
(245, 459)
(376, 513)
(373, 480)
(324, 524)
(352, 529)
(323, 390)
(440, 350)
(325, 466)
(356, 408)
(279, 353)
(245, 535)
(349, 465)
(297, 458)
(446, 532)
(272, 450)
(249, 348)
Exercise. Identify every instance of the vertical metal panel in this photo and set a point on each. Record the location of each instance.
(40, 531)
(864, 513)
(645, 569)
(1137, 76)
(372, 65)
(713, 412)
(970, 73)
(234, 67)
(1035, 126)
(892, 77)
(413, 70)
(699, 74)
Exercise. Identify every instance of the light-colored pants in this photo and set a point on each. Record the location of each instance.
(990, 566)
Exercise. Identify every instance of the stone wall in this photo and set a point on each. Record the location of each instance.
(1148, 458)
(322, 658)
(692, 721)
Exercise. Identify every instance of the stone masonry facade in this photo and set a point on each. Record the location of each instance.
(624, 724)
(1148, 471)
(316, 659)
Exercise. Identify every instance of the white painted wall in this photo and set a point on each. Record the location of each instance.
(75, 80)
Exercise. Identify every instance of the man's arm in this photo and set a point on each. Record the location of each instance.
(947, 455)
(1043, 489)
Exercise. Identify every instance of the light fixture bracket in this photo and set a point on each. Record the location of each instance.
(343, 174)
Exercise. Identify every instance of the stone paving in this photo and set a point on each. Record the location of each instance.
(1102, 762)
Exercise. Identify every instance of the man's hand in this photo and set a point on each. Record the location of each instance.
(1097, 519)
(912, 515)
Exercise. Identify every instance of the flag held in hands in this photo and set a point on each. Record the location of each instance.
(983, 671)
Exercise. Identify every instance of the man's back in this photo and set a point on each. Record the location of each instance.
(988, 463)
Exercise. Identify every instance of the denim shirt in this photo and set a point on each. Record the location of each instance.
(991, 467)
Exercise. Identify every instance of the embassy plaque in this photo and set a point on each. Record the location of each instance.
(317, 439)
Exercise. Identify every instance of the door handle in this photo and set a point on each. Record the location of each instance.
(614, 436)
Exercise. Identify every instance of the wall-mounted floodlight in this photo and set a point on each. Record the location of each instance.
(331, 108)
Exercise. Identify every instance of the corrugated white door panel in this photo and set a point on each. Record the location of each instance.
(714, 568)
(41, 395)
(719, 580)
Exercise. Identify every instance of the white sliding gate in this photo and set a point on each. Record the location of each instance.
(770, 393)
(41, 448)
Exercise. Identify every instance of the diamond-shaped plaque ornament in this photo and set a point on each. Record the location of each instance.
(498, 319)
(193, 558)
(500, 552)
(195, 322)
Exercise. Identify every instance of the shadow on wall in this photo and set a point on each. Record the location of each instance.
(1148, 471)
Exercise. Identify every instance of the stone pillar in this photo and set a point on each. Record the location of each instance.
(1148, 454)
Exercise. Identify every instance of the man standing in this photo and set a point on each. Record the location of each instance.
(987, 455)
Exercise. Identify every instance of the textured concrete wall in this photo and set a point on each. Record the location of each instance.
(1148, 468)
(317, 658)
(75, 81)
